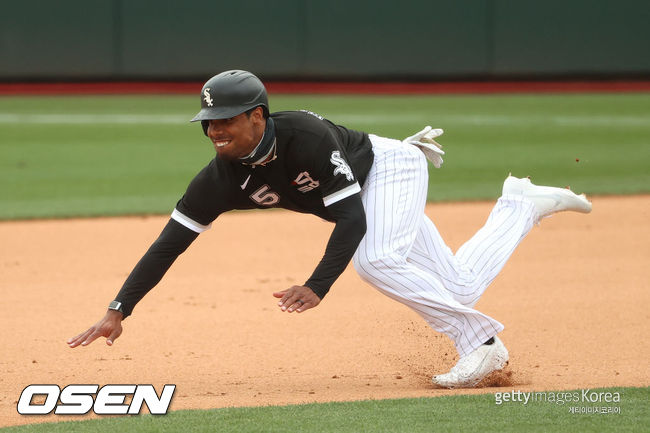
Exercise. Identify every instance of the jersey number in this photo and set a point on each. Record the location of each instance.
(264, 196)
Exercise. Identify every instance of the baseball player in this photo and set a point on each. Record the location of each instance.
(373, 189)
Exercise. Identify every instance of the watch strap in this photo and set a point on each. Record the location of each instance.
(116, 305)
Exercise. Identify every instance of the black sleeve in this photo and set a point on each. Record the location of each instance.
(174, 240)
(331, 167)
(349, 230)
(205, 198)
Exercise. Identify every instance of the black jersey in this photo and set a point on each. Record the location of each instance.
(317, 164)
(318, 168)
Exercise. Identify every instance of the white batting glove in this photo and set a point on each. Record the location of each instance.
(425, 141)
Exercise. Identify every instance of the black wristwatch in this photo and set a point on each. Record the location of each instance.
(116, 305)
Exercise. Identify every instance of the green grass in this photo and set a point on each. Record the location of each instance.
(111, 155)
(478, 413)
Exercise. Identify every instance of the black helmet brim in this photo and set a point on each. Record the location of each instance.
(210, 113)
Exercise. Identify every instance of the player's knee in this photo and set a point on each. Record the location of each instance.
(375, 267)
(362, 266)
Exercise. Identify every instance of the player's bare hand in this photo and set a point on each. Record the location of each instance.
(297, 298)
(110, 327)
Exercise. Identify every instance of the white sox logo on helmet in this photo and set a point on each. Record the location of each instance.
(208, 98)
(342, 167)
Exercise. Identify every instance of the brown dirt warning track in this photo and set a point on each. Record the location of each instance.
(574, 299)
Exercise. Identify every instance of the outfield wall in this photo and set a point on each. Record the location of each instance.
(336, 39)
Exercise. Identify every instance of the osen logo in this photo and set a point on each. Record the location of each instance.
(107, 400)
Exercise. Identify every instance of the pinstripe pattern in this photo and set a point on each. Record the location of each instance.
(404, 256)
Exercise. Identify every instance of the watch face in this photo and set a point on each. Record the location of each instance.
(115, 305)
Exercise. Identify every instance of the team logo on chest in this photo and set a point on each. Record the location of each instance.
(207, 97)
(341, 167)
(305, 182)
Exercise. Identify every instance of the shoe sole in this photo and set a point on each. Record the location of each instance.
(565, 199)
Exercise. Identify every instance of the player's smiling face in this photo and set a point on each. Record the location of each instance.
(237, 136)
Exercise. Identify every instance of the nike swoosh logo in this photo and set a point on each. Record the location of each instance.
(243, 185)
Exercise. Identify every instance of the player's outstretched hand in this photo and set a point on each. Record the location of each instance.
(297, 298)
(110, 327)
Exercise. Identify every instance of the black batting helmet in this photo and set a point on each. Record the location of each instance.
(230, 93)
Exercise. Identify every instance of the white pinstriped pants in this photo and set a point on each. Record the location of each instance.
(404, 256)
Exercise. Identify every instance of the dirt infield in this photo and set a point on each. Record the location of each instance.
(574, 299)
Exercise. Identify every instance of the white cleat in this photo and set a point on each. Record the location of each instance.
(547, 199)
(473, 368)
